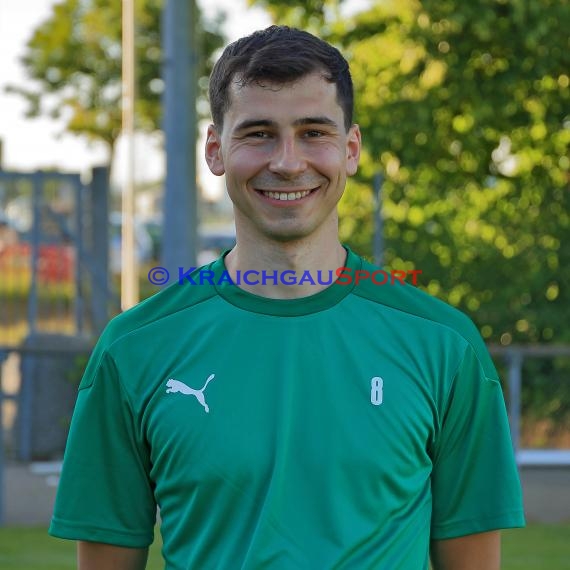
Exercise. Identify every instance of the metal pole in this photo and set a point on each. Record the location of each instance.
(3, 357)
(180, 202)
(378, 243)
(79, 302)
(129, 270)
(28, 371)
(99, 198)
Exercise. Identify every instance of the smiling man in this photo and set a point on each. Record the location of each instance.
(288, 426)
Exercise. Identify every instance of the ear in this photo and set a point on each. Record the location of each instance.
(213, 151)
(353, 145)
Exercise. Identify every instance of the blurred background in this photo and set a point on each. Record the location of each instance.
(464, 109)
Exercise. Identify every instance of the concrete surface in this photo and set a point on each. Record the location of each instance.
(546, 494)
(29, 493)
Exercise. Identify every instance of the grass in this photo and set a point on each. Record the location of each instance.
(34, 549)
(537, 546)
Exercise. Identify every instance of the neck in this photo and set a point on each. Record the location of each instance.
(299, 256)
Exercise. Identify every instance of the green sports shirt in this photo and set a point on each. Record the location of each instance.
(341, 430)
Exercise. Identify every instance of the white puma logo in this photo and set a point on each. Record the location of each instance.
(177, 386)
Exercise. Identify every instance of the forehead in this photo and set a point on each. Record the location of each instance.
(310, 95)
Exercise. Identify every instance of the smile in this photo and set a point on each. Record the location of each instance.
(286, 196)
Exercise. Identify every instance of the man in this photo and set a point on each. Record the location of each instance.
(283, 422)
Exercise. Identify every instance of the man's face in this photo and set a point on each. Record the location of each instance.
(286, 155)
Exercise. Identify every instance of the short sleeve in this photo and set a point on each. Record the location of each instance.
(105, 494)
(475, 482)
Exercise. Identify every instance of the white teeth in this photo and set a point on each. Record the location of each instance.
(284, 196)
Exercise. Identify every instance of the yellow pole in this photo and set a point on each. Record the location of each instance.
(129, 269)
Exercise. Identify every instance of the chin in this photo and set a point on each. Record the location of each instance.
(288, 235)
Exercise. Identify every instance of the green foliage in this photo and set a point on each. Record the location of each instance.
(74, 59)
(310, 15)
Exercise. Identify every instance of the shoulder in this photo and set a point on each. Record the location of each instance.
(148, 316)
(409, 300)
(152, 311)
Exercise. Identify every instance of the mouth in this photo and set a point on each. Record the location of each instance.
(288, 196)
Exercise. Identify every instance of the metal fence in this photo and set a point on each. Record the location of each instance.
(53, 254)
(514, 357)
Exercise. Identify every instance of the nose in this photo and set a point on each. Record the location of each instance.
(287, 159)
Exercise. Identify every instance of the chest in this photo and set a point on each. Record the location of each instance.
(242, 402)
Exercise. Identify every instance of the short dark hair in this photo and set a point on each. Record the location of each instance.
(281, 55)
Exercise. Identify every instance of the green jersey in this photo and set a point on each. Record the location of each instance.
(341, 430)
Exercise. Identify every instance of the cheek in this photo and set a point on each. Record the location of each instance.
(326, 154)
(244, 162)
(331, 164)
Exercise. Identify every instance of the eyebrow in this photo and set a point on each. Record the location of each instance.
(252, 123)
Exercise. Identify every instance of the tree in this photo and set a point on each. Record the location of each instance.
(472, 133)
(311, 15)
(74, 59)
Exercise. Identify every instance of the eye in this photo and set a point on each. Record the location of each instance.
(257, 135)
(313, 133)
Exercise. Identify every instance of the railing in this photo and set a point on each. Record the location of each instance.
(514, 357)
(54, 244)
